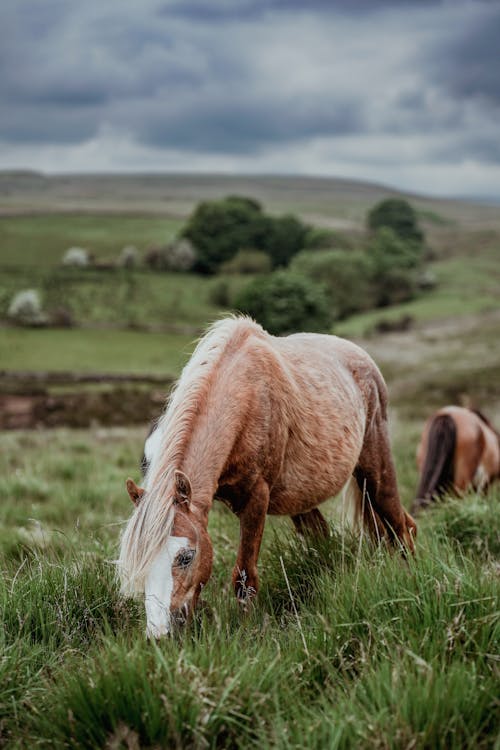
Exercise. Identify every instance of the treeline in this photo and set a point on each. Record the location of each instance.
(307, 278)
(301, 277)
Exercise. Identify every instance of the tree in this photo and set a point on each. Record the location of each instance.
(346, 275)
(395, 267)
(286, 237)
(398, 215)
(284, 302)
(218, 229)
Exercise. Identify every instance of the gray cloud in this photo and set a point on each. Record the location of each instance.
(254, 78)
(467, 66)
(223, 11)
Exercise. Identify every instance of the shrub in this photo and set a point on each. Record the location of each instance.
(398, 215)
(26, 308)
(178, 256)
(347, 277)
(248, 261)
(395, 267)
(318, 238)
(129, 257)
(76, 256)
(284, 302)
(219, 293)
(285, 238)
(61, 317)
(219, 229)
(153, 257)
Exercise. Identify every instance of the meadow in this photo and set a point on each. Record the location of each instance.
(381, 653)
(366, 649)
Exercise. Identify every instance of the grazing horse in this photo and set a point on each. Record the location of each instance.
(459, 448)
(268, 425)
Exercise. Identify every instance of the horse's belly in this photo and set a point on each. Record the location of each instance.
(311, 475)
(288, 504)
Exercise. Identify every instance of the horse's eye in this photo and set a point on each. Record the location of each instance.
(184, 558)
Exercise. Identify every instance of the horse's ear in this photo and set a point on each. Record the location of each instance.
(135, 492)
(182, 494)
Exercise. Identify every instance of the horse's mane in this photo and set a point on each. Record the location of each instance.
(151, 523)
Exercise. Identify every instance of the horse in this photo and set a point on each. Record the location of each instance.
(459, 449)
(269, 425)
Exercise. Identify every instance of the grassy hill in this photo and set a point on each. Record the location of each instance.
(382, 653)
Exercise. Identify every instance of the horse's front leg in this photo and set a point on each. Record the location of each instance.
(252, 519)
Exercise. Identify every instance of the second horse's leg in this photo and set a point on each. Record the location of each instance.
(252, 519)
(312, 523)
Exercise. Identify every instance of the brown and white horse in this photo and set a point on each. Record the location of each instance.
(268, 425)
(459, 449)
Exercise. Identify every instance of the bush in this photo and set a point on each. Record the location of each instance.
(347, 277)
(26, 308)
(76, 256)
(129, 257)
(318, 238)
(153, 257)
(285, 238)
(395, 267)
(248, 261)
(219, 293)
(178, 256)
(398, 215)
(283, 302)
(219, 229)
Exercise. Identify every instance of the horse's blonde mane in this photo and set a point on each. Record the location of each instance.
(151, 523)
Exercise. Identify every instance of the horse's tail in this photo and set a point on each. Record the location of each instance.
(437, 471)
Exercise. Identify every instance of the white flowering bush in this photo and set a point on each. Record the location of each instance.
(76, 256)
(179, 256)
(26, 308)
(129, 257)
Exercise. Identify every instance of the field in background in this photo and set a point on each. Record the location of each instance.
(383, 654)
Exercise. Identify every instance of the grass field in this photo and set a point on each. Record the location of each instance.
(384, 654)
(118, 299)
(41, 240)
(94, 350)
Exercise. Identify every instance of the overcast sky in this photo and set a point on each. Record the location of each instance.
(403, 92)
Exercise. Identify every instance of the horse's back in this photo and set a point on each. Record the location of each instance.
(333, 387)
(330, 359)
(477, 452)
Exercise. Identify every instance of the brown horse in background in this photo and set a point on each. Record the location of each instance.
(459, 449)
(270, 426)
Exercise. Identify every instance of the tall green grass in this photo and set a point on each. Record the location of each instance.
(368, 650)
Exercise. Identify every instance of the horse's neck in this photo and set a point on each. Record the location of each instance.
(208, 449)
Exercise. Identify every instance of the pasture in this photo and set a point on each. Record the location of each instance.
(381, 653)
(355, 648)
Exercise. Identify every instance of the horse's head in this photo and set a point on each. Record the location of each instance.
(181, 569)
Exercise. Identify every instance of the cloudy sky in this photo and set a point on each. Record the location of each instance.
(403, 92)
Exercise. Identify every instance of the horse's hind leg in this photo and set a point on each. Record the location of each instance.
(312, 523)
(380, 505)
